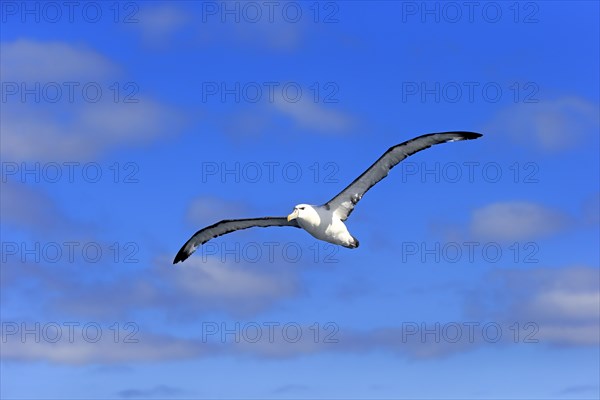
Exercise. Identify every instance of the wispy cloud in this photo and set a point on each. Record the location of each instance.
(239, 289)
(516, 220)
(30, 208)
(31, 60)
(268, 32)
(563, 302)
(228, 23)
(290, 388)
(78, 125)
(308, 114)
(563, 305)
(159, 391)
(591, 209)
(296, 114)
(579, 390)
(280, 36)
(204, 285)
(105, 350)
(158, 23)
(34, 134)
(551, 125)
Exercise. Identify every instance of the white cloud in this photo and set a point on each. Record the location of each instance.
(29, 60)
(229, 284)
(270, 31)
(74, 127)
(516, 220)
(159, 391)
(34, 134)
(158, 23)
(77, 347)
(278, 35)
(564, 303)
(591, 209)
(204, 284)
(309, 114)
(30, 208)
(570, 334)
(277, 113)
(561, 303)
(552, 125)
(253, 26)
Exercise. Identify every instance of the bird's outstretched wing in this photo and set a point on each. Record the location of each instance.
(227, 226)
(343, 204)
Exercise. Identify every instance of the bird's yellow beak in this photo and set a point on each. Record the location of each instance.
(293, 215)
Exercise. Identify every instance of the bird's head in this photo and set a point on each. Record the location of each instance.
(304, 212)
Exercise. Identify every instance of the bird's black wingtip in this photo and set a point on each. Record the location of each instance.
(181, 256)
(471, 135)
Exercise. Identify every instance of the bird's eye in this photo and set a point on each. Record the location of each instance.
(301, 208)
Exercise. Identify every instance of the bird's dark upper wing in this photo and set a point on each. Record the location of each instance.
(343, 204)
(227, 226)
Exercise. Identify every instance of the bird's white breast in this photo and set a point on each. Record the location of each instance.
(325, 225)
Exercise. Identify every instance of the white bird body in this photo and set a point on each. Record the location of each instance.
(323, 225)
(326, 222)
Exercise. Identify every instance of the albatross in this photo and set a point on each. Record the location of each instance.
(326, 222)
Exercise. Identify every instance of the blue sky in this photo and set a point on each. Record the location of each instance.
(128, 126)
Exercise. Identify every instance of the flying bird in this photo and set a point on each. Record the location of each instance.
(326, 222)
